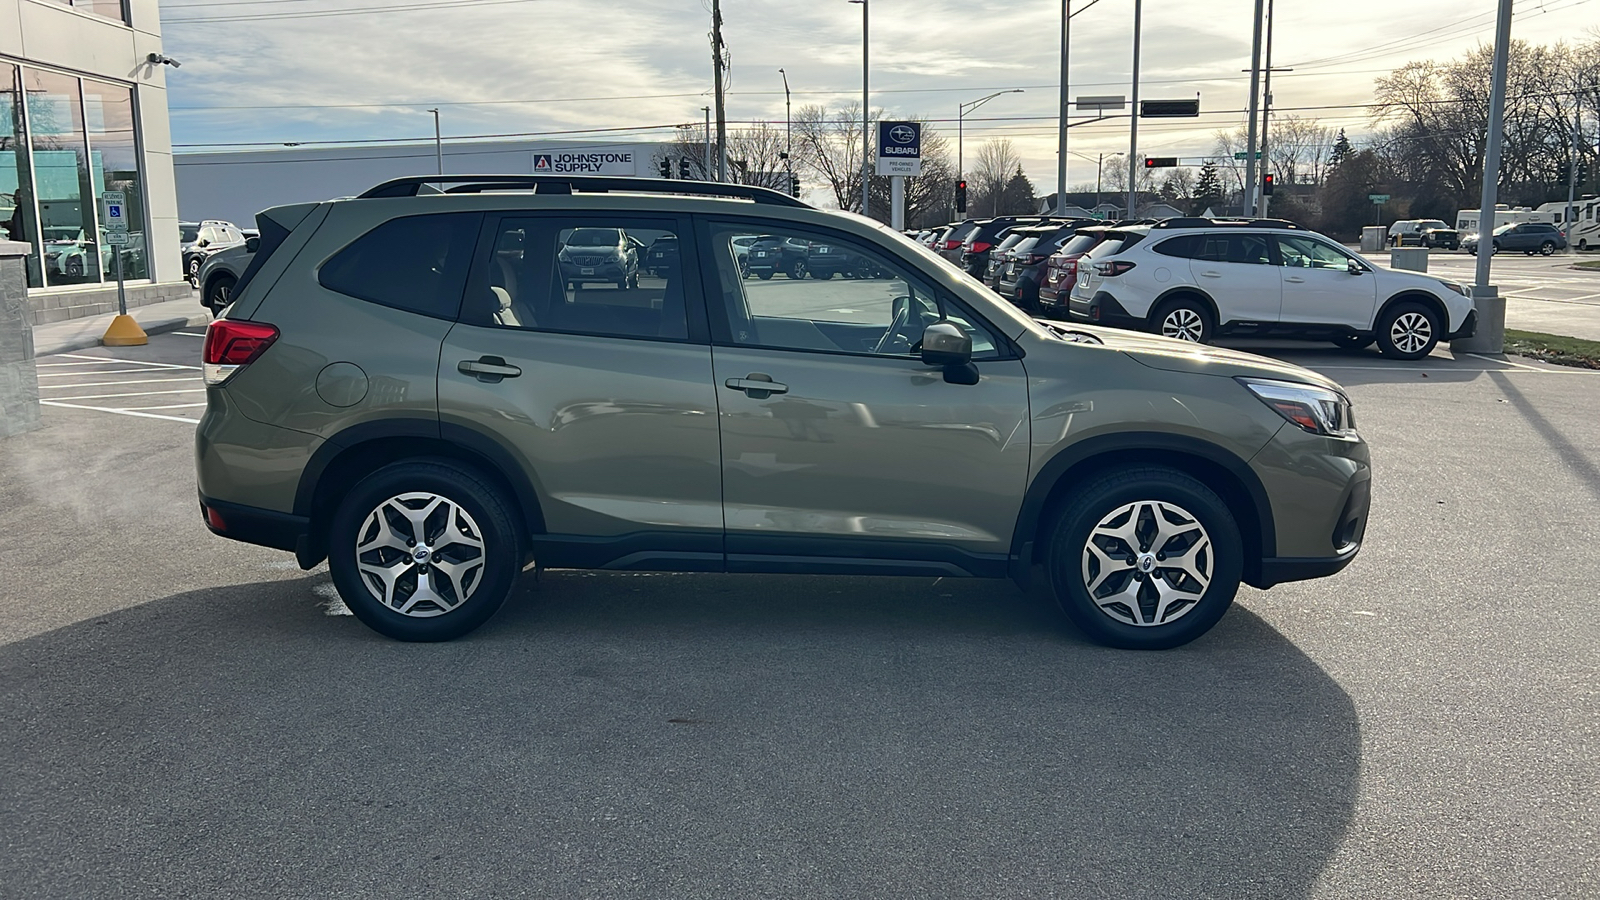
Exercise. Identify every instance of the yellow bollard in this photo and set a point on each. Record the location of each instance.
(124, 332)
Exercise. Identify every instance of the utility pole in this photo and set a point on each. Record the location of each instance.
(1248, 201)
(1486, 299)
(718, 60)
(1266, 114)
(866, 116)
(1061, 127)
(708, 141)
(1133, 120)
(788, 133)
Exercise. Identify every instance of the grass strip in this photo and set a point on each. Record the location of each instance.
(1553, 348)
(1588, 264)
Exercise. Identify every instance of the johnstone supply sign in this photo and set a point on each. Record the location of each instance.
(900, 148)
(586, 162)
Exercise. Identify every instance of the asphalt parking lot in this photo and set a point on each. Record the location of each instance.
(185, 716)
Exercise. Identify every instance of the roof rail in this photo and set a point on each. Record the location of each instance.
(412, 185)
(1200, 222)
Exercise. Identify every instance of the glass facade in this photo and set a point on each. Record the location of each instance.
(111, 9)
(64, 140)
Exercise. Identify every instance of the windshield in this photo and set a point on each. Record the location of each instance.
(594, 237)
(1432, 223)
(1505, 228)
(188, 234)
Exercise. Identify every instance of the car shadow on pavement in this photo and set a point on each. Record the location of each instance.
(634, 735)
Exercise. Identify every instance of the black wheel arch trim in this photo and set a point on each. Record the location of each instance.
(462, 441)
(1029, 518)
(1170, 293)
(1416, 295)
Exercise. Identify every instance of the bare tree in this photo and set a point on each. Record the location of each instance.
(996, 162)
(1298, 149)
(828, 146)
(754, 156)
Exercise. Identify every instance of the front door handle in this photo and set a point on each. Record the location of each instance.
(1294, 279)
(757, 386)
(488, 369)
(1212, 274)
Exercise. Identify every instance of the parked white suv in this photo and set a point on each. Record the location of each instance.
(1195, 279)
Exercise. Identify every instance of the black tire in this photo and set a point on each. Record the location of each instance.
(1547, 248)
(219, 293)
(1189, 510)
(1186, 318)
(194, 268)
(1353, 341)
(764, 276)
(1408, 331)
(823, 276)
(485, 587)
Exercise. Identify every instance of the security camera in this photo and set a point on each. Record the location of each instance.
(157, 59)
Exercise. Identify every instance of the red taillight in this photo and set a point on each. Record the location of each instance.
(951, 245)
(981, 246)
(1112, 268)
(231, 345)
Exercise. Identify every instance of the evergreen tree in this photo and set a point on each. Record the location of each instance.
(1017, 196)
(1207, 189)
(1341, 150)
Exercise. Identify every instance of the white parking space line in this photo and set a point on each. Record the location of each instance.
(95, 372)
(120, 412)
(86, 362)
(190, 333)
(1507, 362)
(129, 381)
(172, 406)
(133, 394)
(130, 362)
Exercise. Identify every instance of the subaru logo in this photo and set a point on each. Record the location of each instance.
(902, 134)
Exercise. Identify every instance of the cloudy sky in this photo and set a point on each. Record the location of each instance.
(274, 71)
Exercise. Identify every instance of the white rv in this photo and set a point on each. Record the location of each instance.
(1583, 232)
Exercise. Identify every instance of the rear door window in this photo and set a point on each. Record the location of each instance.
(417, 263)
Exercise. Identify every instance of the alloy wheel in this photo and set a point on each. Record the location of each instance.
(420, 554)
(1148, 563)
(1184, 324)
(1410, 332)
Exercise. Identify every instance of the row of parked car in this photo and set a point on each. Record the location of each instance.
(1197, 279)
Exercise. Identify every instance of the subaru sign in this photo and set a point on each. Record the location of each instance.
(900, 148)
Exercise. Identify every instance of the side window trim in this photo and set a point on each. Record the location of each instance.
(1005, 347)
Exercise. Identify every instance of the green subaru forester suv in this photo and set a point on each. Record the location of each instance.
(433, 389)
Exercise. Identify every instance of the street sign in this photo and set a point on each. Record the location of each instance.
(117, 238)
(1243, 155)
(1378, 198)
(900, 148)
(1103, 102)
(1165, 109)
(114, 217)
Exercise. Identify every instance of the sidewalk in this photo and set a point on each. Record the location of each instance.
(80, 334)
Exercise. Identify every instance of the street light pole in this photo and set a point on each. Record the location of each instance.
(788, 131)
(1133, 120)
(866, 116)
(1061, 127)
(1247, 203)
(1486, 299)
(961, 113)
(438, 142)
(1572, 161)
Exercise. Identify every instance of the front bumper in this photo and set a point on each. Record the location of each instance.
(1469, 327)
(1320, 491)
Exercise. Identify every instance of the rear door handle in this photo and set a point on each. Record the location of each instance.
(488, 369)
(757, 386)
(1212, 274)
(1294, 279)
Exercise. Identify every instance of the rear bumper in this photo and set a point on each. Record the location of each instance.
(264, 527)
(1103, 309)
(1279, 569)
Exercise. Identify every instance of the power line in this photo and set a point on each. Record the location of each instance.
(359, 11)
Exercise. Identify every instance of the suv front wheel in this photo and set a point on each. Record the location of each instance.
(1408, 331)
(1184, 318)
(423, 551)
(1145, 559)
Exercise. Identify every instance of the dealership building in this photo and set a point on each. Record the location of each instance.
(83, 110)
(235, 185)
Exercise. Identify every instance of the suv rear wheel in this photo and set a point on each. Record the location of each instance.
(219, 293)
(423, 551)
(1185, 318)
(1547, 248)
(1408, 331)
(1145, 559)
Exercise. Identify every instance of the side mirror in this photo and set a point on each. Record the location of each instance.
(252, 244)
(1355, 268)
(202, 242)
(944, 344)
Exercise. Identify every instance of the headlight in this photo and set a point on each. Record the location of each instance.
(1454, 287)
(1315, 409)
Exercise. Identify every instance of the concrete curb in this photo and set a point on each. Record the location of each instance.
(85, 342)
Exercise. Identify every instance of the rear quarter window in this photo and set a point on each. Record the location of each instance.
(416, 263)
(1115, 242)
(1187, 246)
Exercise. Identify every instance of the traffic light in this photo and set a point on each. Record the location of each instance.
(1160, 162)
(794, 185)
(683, 167)
(961, 196)
(666, 168)
(1266, 185)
